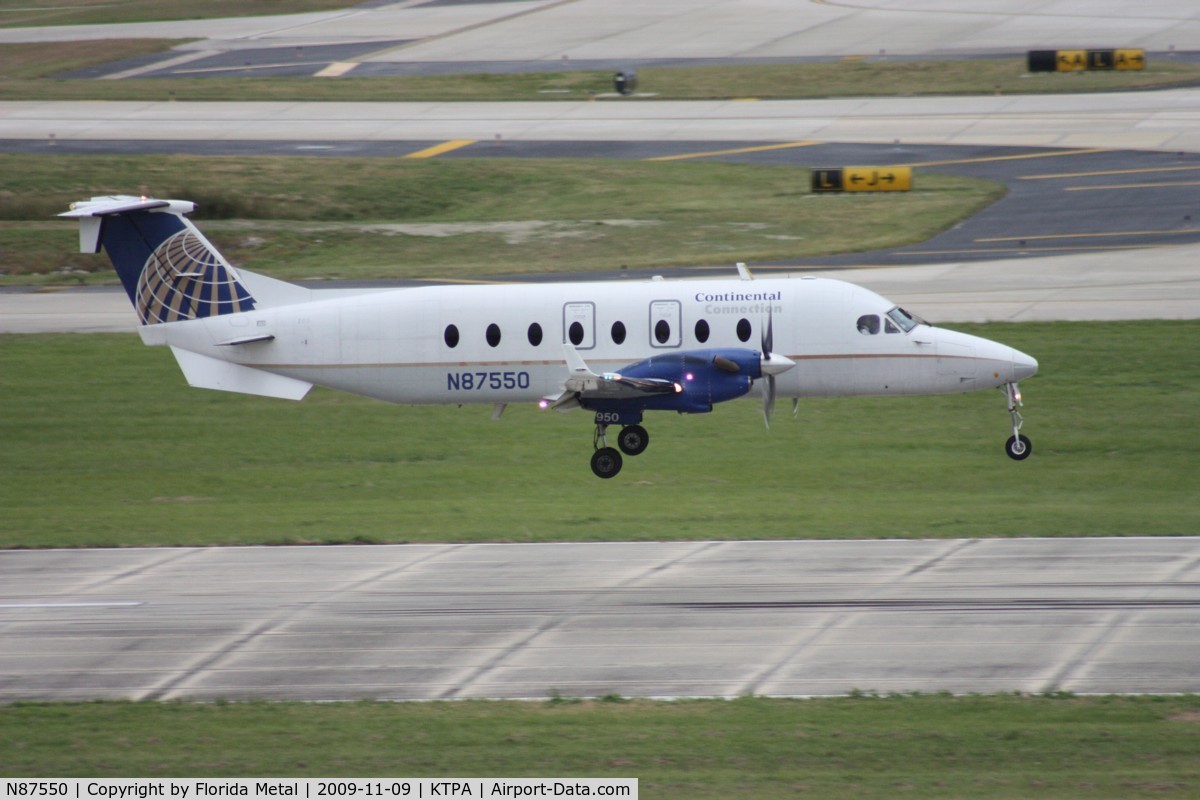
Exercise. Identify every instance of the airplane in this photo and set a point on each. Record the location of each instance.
(617, 349)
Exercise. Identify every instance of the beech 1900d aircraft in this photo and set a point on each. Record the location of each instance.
(617, 349)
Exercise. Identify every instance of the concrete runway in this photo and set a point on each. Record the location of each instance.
(1163, 120)
(548, 30)
(648, 620)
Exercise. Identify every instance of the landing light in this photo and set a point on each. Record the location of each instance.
(690, 377)
(678, 389)
(543, 404)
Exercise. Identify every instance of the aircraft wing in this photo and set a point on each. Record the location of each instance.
(584, 384)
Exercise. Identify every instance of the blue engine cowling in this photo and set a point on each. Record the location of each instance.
(707, 377)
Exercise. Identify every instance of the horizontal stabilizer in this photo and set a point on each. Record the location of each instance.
(205, 372)
(90, 212)
(120, 204)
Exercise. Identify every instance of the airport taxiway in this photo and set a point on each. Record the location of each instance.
(722, 619)
(635, 30)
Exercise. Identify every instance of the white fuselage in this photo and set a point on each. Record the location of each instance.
(481, 344)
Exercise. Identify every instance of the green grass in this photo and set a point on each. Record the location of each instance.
(23, 65)
(902, 78)
(858, 747)
(103, 444)
(31, 72)
(793, 82)
(317, 217)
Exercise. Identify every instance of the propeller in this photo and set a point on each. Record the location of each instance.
(771, 365)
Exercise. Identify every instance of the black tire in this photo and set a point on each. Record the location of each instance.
(1018, 447)
(606, 462)
(633, 440)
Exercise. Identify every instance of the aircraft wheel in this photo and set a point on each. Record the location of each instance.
(633, 440)
(606, 462)
(1018, 447)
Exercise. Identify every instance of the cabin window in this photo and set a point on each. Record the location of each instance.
(702, 330)
(662, 331)
(618, 332)
(868, 324)
(451, 336)
(744, 329)
(575, 333)
(535, 334)
(493, 334)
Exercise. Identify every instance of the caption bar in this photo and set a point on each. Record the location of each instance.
(316, 788)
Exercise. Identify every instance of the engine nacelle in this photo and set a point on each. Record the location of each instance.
(703, 378)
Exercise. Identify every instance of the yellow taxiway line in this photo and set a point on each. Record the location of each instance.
(336, 70)
(1064, 248)
(1054, 154)
(735, 151)
(438, 149)
(1183, 232)
(1129, 186)
(1106, 172)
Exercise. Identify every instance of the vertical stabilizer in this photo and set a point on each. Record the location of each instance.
(169, 270)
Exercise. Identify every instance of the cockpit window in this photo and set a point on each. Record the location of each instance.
(889, 326)
(868, 324)
(905, 320)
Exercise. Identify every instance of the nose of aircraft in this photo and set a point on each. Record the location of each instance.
(1024, 366)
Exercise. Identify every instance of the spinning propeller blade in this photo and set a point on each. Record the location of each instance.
(769, 401)
(768, 344)
(771, 365)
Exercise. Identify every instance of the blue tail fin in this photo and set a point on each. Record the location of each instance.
(169, 270)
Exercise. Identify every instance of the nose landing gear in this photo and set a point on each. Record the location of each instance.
(1018, 445)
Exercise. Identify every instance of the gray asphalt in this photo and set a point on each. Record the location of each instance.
(649, 620)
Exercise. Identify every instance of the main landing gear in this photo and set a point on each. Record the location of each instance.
(1018, 445)
(633, 439)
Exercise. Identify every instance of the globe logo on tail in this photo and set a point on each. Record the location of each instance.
(184, 279)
